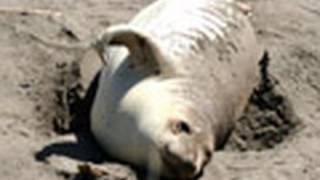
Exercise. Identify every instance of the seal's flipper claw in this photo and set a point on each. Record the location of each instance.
(94, 171)
(244, 7)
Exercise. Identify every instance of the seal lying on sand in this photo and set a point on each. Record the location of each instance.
(178, 75)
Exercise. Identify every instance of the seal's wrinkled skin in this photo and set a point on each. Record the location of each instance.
(178, 75)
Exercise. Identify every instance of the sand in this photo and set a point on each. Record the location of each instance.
(43, 127)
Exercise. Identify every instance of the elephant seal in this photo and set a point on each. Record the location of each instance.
(177, 77)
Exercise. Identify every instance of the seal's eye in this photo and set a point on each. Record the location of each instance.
(183, 127)
(179, 126)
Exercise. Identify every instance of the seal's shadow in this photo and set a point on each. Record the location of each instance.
(85, 147)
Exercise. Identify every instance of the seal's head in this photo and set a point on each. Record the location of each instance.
(186, 143)
(180, 138)
(153, 124)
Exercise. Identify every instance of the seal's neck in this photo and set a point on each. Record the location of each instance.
(149, 103)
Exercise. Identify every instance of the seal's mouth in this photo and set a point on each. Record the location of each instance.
(175, 167)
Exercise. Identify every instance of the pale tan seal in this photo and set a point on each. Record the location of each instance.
(171, 93)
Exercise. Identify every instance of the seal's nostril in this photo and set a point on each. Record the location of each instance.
(208, 153)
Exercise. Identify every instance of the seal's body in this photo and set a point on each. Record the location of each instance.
(169, 96)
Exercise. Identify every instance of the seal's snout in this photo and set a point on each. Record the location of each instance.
(189, 149)
(187, 168)
(184, 165)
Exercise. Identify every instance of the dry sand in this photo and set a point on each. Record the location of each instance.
(43, 132)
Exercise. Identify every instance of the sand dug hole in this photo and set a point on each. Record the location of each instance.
(268, 120)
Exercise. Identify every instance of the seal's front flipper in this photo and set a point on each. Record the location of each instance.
(143, 48)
